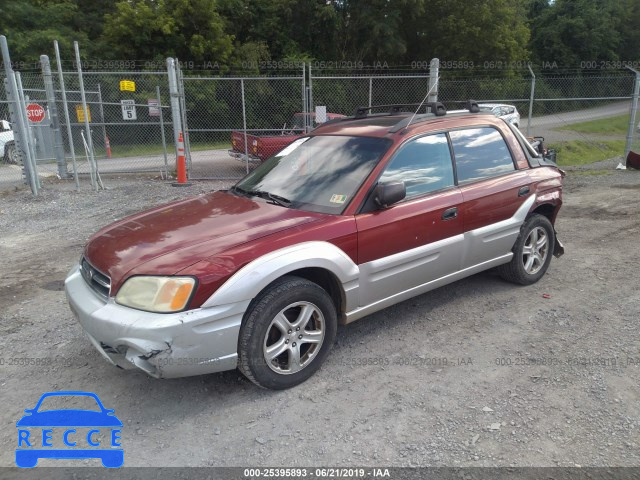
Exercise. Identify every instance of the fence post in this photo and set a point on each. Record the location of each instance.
(305, 107)
(183, 111)
(175, 101)
(72, 149)
(92, 165)
(16, 114)
(58, 146)
(104, 127)
(634, 111)
(310, 102)
(26, 128)
(533, 93)
(244, 126)
(434, 78)
(370, 90)
(164, 138)
(19, 137)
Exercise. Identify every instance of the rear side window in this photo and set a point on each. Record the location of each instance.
(480, 153)
(424, 165)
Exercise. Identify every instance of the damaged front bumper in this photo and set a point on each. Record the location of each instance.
(193, 342)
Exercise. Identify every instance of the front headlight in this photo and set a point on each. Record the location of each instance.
(156, 294)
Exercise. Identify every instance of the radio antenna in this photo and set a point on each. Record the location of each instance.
(423, 100)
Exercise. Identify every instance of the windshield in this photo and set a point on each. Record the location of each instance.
(319, 174)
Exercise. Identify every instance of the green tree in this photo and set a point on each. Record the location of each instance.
(569, 32)
(155, 29)
(31, 26)
(630, 31)
(371, 30)
(473, 30)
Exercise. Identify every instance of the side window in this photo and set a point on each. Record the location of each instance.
(480, 153)
(424, 165)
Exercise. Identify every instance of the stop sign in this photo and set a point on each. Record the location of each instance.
(35, 113)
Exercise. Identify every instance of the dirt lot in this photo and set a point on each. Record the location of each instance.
(479, 373)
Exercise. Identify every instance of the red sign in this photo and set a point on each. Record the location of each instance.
(35, 113)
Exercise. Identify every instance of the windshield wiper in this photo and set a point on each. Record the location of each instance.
(240, 190)
(277, 199)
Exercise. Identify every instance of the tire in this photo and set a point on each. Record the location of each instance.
(528, 264)
(269, 351)
(11, 154)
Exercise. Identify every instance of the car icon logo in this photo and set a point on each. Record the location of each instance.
(69, 433)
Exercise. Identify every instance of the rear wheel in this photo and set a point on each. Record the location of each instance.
(287, 333)
(532, 252)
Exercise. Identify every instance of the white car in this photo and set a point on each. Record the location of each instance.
(509, 113)
(8, 150)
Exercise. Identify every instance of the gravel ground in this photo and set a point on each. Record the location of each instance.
(479, 373)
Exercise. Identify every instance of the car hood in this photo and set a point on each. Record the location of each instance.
(69, 418)
(167, 239)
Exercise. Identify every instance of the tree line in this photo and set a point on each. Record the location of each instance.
(356, 32)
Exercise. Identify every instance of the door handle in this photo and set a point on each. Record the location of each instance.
(523, 191)
(450, 213)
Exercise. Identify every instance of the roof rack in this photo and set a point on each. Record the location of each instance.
(470, 105)
(393, 109)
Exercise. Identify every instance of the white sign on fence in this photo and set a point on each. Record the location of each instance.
(129, 110)
(321, 113)
(154, 111)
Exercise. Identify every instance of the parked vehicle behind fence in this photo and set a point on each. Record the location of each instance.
(8, 151)
(262, 146)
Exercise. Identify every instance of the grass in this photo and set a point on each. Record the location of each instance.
(582, 152)
(605, 126)
(120, 151)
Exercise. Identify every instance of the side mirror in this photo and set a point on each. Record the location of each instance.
(4, 125)
(386, 194)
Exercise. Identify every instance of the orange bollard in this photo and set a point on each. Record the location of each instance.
(181, 164)
(107, 144)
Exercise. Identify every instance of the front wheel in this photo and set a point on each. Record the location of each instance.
(531, 252)
(287, 333)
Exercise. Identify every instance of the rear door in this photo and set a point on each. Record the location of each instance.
(419, 239)
(496, 195)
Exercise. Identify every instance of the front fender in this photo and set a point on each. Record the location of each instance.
(254, 277)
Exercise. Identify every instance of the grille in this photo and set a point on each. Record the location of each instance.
(98, 281)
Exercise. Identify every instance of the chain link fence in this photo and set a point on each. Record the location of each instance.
(131, 128)
(577, 112)
(227, 113)
(232, 122)
(344, 93)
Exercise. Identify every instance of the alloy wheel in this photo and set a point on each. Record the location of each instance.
(535, 251)
(294, 338)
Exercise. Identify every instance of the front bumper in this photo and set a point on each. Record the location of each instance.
(194, 342)
(242, 157)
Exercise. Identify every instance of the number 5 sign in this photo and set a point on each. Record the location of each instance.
(128, 110)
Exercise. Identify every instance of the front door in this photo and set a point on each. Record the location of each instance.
(419, 239)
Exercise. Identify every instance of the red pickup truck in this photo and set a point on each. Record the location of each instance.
(261, 147)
